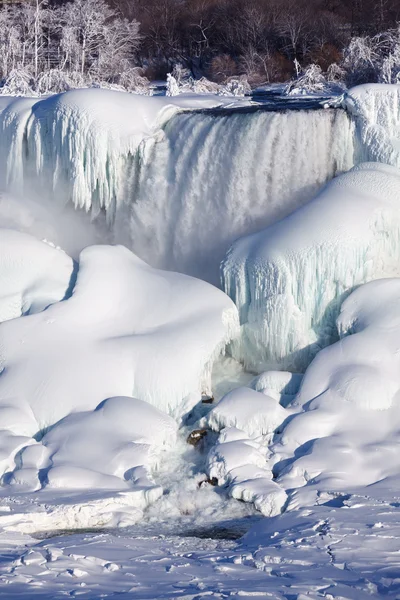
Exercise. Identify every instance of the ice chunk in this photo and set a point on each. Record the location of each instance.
(289, 280)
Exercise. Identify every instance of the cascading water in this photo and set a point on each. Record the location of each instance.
(177, 189)
(213, 178)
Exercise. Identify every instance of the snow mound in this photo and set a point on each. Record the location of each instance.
(109, 448)
(127, 330)
(246, 409)
(281, 385)
(33, 275)
(347, 433)
(289, 280)
(240, 464)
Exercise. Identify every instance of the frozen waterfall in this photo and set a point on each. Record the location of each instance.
(178, 186)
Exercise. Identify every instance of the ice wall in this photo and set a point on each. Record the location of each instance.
(289, 280)
(177, 186)
(375, 109)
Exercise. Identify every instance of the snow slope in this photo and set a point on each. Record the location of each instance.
(127, 330)
(69, 374)
(33, 274)
(289, 280)
(346, 434)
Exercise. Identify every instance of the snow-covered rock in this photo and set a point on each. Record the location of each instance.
(248, 410)
(239, 463)
(289, 280)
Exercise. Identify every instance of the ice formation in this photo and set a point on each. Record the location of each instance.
(375, 109)
(177, 189)
(346, 434)
(213, 177)
(289, 280)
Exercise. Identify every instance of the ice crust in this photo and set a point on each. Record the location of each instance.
(289, 280)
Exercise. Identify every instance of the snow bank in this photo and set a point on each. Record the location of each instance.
(289, 280)
(110, 448)
(33, 275)
(127, 330)
(347, 433)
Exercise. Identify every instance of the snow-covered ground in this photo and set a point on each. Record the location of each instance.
(138, 459)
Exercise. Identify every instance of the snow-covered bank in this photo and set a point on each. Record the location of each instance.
(288, 281)
(124, 331)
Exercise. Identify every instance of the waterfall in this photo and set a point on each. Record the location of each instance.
(178, 187)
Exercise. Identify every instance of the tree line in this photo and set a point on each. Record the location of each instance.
(50, 45)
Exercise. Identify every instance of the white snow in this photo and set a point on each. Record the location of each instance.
(375, 109)
(127, 330)
(346, 434)
(255, 413)
(101, 358)
(289, 280)
(33, 274)
(111, 448)
(240, 463)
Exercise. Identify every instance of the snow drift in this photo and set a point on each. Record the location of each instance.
(33, 275)
(289, 281)
(69, 375)
(346, 434)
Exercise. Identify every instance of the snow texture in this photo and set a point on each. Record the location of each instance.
(346, 435)
(289, 280)
(33, 275)
(127, 330)
(240, 463)
(375, 109)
